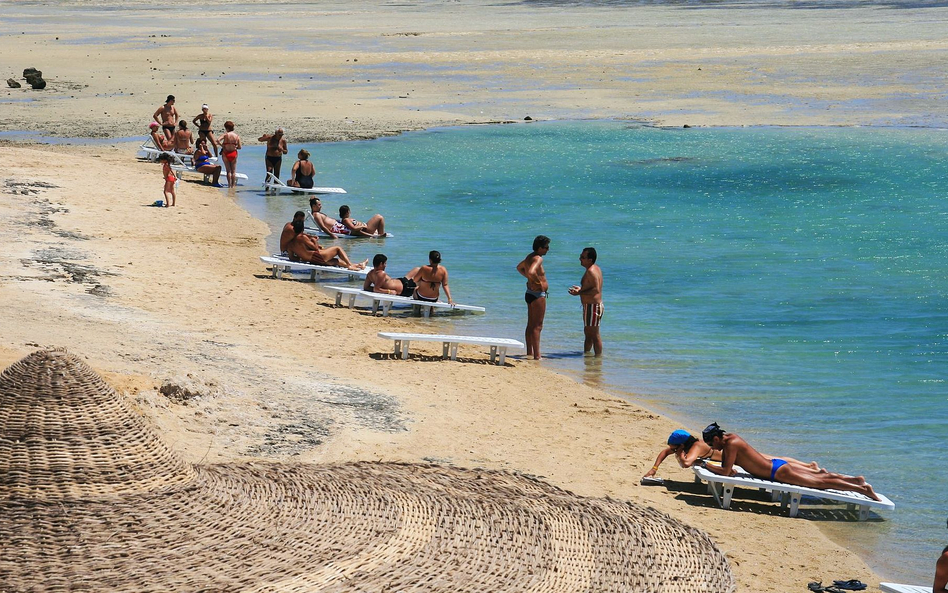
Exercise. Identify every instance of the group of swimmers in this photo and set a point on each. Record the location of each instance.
(729, 449)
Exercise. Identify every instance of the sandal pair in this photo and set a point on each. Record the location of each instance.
(838, 586)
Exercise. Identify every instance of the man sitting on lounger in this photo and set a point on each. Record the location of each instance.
(377, 280)
(307, 249)
(736, 451)
(287, 235)
(333, 227)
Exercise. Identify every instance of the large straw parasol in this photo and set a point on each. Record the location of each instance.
(92, 500)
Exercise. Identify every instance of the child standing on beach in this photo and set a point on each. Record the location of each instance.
(170, 178)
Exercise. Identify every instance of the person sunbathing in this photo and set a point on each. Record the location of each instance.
(288, 234)
(688, 450)
(307, 249)
(333, 227)
(183, 139)
(375, 226)
(203, 164)
(736, 451)
(377, 280)
(159, 140)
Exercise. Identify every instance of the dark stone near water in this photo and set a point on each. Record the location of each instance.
(528, 118)
(13, 84)
(30, 71)
(36, 81)
(686, 126)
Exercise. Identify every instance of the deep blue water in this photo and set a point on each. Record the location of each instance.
(787, 283)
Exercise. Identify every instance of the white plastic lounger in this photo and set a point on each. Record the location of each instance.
(274, 185)
(182, 164)
(321, 233)
(722, 487)
(897, 588)
(279, 265)
(385, 301)
(498, 346)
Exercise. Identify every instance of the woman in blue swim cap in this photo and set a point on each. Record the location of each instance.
(686, 448)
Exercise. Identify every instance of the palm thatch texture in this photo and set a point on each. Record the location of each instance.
(92, 500)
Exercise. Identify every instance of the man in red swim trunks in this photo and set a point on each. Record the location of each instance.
(589, 292)
(230, 144)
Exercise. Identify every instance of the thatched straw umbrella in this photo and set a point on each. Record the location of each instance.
(92, 500)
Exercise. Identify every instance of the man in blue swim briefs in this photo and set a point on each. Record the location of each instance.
(736, 451)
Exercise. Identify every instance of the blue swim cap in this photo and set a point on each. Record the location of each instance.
(679, 437)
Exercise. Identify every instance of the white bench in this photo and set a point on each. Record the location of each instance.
(385, 301)
(897, 588)
(498, 346)
(722, 487)
(280, 264)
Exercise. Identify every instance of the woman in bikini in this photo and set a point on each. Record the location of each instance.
(170, 178)
(230, 144)
(430, 278)
(203, 122)
(375, 226)
(302, 172)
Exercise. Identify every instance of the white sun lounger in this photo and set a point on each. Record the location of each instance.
(897, 588)
(279, 265)
(498, 346)
(385, 301)
(722, 487)
(273, 184)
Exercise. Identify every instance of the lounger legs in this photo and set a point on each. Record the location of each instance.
(401, 349)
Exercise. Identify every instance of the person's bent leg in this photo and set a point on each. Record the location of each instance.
(376, 224)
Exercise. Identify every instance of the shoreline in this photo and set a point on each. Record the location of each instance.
(179, 292)
(576, 437)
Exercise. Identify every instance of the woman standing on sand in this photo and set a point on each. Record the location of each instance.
(170, 179)
(230, 144)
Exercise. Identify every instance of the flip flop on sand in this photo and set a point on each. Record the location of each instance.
(850, 585)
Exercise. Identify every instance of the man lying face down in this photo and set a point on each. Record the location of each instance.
(736, 451)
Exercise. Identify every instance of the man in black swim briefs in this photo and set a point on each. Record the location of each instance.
(276, 148)
(377, 280)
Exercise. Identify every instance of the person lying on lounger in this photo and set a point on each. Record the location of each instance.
(333, 227)
(306, 248)
(377, 280)
(688, 450)
(287, 234)
(736, 451)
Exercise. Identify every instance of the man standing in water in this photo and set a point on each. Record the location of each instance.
(941, 572)
(531, 268)
(589, 292)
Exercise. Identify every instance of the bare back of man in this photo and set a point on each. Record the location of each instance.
(736, 451)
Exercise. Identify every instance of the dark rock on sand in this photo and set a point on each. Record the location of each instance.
(13, 84)
(27, 72)
(36, 81)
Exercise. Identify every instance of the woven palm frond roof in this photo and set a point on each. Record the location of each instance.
(94, 501)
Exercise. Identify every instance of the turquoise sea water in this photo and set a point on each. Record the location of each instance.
(789, 284)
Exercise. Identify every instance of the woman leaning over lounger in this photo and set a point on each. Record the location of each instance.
(431, 279)
(688, 449)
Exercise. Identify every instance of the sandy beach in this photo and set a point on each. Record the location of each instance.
(152, 296)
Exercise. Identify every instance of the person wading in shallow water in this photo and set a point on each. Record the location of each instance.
(531, 268)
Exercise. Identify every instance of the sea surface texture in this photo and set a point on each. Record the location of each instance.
(787, 283)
